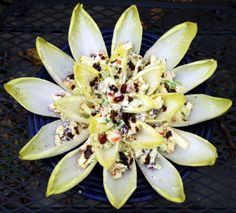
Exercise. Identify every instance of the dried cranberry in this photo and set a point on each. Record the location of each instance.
(88, 152)
(125, 160)
(168, 134)
(124, 129)
(93, 82)
(93, 113)
(102, 138)
(116, 76)
(133, 119)
(118, 98)
(130, 98)
(97, 66)
(164, 108)
(113, 114)
(123, 88)
(169, 89)
(126, 117)
(140, 69)
(147, 159)
(76, 130)
(71, 76)
(136, 87)
(154, 111)
(131, 65)
(69, 135)
(113, 88)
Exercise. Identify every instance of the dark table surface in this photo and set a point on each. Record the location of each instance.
(23, 183)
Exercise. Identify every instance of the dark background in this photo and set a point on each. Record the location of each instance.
(23, 183)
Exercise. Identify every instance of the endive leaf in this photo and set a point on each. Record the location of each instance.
(42, 145)
(85, 37)
(198, 153)
(147, 103)
(128, 29)
(84, 74)
(166, 181)
(106, 157)
(172, 101)
(119, 190)
(70, 108)
(58, 64)
(193, 74)
(146, 138)
(204, 108)
(34, 94)
(121, 53)
(67, 173)
(152, 76)
(173, 45)
(95, 127)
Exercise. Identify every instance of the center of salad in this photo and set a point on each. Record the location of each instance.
(119, 98)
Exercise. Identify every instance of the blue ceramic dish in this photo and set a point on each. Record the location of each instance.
(92, 186)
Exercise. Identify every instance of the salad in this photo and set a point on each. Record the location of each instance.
(123, 109)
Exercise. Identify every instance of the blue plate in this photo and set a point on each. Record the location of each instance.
(92, 186)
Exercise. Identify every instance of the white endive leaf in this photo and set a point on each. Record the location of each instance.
(128, 29)
(85, 37)
(146, 138)
(204, 108)
(96, 127)
(119, 190)
(58, 64)
(172, 102)
(152, 76)
(173, 45)
(106, 157)
(193, 74)
(84, 74)
(166, 181)
(198, 153)
(42, 145)
(34, 94)
(67, 173)
(147, 104)
(121, 53)
(70, 108)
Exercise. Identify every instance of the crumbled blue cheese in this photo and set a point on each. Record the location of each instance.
(118, 170)
(143, 86)
(66, 132)
(124, 161)
(69, 83)
(86, 156)
(149, 157)
(171, 138)
(183, 113)
(56, 97)
(168, 75)
(141, 116)
(128, 46)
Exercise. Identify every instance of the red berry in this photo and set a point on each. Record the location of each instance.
(102, 138)
(123, 88)
(119, 98)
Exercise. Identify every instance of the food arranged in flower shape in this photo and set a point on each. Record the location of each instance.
(125, 108)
